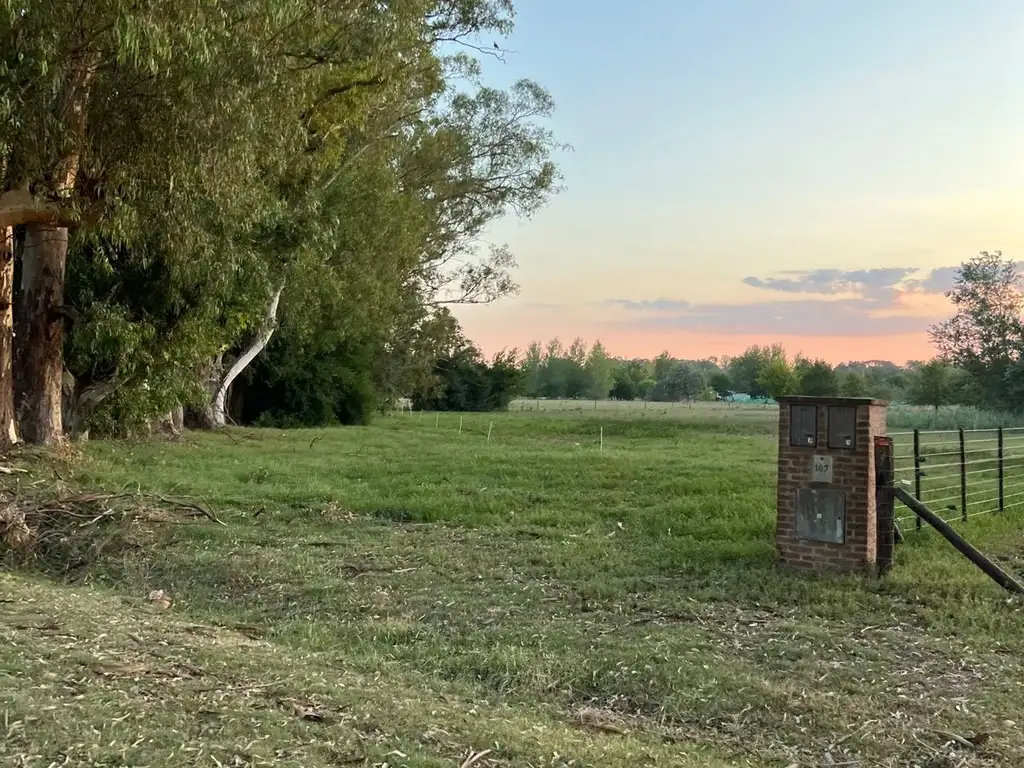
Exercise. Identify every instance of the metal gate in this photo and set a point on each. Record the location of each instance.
(959, 473)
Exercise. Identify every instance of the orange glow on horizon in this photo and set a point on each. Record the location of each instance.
(695, 346)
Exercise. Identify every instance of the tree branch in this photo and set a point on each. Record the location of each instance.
(339, 90)
(258, 345)
(19, 206)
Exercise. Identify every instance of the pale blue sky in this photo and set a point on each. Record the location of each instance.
(717, 140)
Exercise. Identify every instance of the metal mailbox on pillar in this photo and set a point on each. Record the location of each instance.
(827, 484)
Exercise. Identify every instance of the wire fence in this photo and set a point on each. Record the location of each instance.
(961, 473)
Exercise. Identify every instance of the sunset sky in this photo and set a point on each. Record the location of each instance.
(745, 171)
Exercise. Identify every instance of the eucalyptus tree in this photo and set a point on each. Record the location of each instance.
(226, 142)
(485, 154)
(451, 162)
(117, 117)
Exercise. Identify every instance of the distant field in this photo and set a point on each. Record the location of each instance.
(417, 594)
(696, 409)
(901, 417)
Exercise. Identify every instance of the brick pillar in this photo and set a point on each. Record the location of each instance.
(826, 516)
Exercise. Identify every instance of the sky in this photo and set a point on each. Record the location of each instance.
(809, 172)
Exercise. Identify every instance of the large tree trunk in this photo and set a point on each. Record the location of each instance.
(41, 353)
(8, 423)
(45, 255)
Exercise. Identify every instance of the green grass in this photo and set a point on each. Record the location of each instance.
(433, 594)
(901, 417)
(907, 417)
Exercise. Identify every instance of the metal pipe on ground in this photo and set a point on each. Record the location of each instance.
(993, 571)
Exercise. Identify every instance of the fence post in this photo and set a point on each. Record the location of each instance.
(917, 472)
(1002, 497)
(963, 477)
(886, 525)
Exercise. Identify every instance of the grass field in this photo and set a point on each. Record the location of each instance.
(901, 417)
(416, 594)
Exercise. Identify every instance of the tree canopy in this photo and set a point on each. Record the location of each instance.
(185, 184)
(985, 336)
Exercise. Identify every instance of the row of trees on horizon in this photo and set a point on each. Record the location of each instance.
(761, 372)
(979, 363)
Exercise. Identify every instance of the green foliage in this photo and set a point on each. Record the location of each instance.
(932, 384)
(558, 373)
(815, 378)
(226, 149)
(624, 386)
(533, 363)
(682, 381)
(293, 386)
(482, 156)
(599, 370)
(466, 382)
(777, 379)
(325, 372)
(638, 374)
(663, 365)
(745, 370)
(985, 337)
(554, 374)
(852, 384)
(562, 373)
(645, 387)
(140, 328)
(720, 382)
(880, 379)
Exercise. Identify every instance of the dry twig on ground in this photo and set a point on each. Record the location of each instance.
(77, 526)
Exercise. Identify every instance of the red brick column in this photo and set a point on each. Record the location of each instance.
(852, 487)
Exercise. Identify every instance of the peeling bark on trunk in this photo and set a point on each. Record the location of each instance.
(41, 352)
(215, 413)
(8, 423)
(45, 255)
(177, 417)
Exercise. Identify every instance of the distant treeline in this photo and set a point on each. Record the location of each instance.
(980, 360)
(980, 349)
(552, 371)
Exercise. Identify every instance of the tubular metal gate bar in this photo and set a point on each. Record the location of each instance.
(960, 473)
